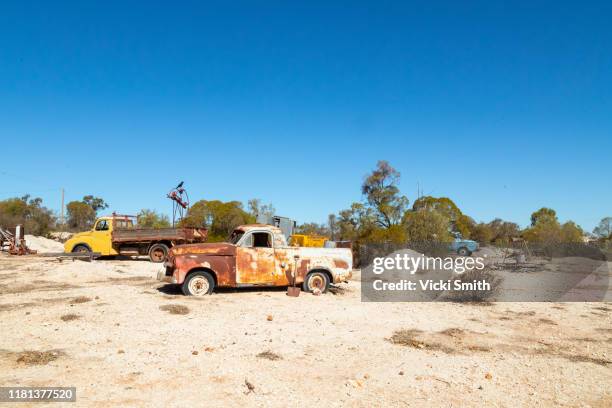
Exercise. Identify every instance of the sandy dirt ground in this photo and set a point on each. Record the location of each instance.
(121, 338)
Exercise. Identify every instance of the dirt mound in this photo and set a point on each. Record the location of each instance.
(61, 236)
(42, 244)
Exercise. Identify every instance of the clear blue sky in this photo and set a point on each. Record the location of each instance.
(504, 107)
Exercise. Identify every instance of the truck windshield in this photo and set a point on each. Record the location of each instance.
(235, 237)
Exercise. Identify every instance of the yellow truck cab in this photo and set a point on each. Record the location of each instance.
(99, 238)
(118, 235)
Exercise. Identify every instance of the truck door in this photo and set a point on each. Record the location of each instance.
(255, 261)
(101, 235)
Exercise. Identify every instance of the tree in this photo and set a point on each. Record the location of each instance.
(382, 194)
(458, 221)
(312, 228)
(482, 233)
(545, 228)
(80, 215)
(256, 208)
(151, 219)
(95, 203)
(36, 219)
(502, 231)
(219, 217)
(356, 222)
(427, 225)
(542, 214)
(332, 225)
(571, 232)
(604, 228)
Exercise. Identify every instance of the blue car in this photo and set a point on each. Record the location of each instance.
(463, 247)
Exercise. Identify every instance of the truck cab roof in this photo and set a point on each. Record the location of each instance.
(251, 227)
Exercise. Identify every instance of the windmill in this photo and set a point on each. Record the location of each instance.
(180, 202)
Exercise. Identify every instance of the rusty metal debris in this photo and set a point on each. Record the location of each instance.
(14, 244)
(180, 202)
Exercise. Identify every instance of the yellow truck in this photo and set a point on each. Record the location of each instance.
(119, 235)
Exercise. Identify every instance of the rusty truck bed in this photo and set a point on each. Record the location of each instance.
(183, 235)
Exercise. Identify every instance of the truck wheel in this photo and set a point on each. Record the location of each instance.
(158, 253)
(463, 251)
(81, 248)
(198, 284)
(316, 280)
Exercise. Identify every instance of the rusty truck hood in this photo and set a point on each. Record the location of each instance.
(218, 248)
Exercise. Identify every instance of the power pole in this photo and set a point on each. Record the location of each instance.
(62, 210)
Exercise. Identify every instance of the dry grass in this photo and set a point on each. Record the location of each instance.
(413, 338)
(35, 287)
(81, 299)
(70, 317)
(12, 306)
(338, 290)
(547, 321)
(130, 279)
(451, 341)
(31, 357)
(453, 332)
(175, 309)
(270, 355)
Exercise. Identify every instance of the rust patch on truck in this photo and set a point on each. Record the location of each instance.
(339, 263)
(255, 266)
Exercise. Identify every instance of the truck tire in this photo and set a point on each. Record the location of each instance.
(198, 283)
(316, 280)
(463, 251)
(81, 248)
(158, 253)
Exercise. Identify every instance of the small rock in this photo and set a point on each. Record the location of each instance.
(120, 351)
(366, 376)
(194, 352)
(270, 318)
(401, 373)
(488, 376)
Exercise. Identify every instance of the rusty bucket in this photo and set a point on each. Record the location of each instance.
(293, 291)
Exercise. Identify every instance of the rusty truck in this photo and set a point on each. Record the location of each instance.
(255, 255)
(119, 235)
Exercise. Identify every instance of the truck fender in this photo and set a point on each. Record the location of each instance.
(181, 279)
(81, 244)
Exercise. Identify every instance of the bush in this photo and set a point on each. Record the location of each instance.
(36, 219)
(476, 296)
(151, 219)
